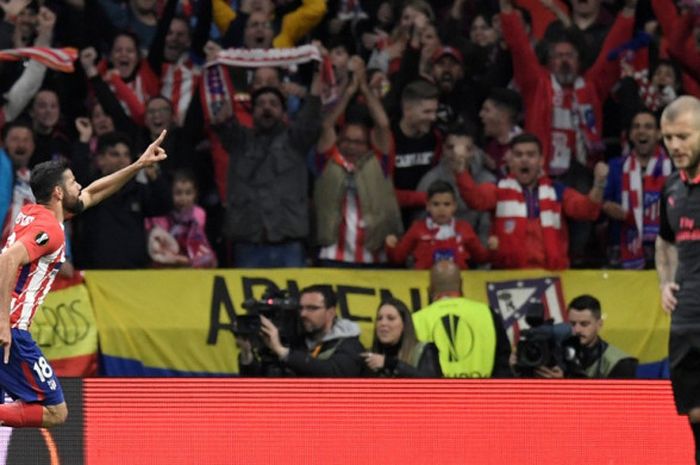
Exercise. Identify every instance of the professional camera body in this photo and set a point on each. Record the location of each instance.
(280, 307)
(547, 344)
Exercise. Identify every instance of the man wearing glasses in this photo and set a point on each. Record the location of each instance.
(330, 346)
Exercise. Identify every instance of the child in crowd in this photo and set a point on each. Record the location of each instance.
(439, 236)
(178, 239)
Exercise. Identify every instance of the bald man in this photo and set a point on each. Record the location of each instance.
(678, 255)
(470, 336)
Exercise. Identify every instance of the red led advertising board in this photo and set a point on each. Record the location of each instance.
(292, 421)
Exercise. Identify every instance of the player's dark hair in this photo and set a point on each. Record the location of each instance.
(44, 177)
(329, 298)
(440, 187)
(586, 302)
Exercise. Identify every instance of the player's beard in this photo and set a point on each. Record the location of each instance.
(73, 206)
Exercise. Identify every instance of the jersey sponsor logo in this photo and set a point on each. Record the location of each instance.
(41, 239)
(23, 220)
(687, 223)
(407, 160)
(688, 235)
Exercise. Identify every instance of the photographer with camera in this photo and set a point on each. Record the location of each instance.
(595, 357)
(326, 346)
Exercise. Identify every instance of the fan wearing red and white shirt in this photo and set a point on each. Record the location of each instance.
(354, 199)
(529, 210)
(29, 263)
(440, 236)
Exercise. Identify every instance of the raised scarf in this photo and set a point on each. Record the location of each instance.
(59, 59)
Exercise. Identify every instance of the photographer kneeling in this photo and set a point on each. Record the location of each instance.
(596, 357)
(330, 346)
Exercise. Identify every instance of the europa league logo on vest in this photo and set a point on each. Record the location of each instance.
(461, 341)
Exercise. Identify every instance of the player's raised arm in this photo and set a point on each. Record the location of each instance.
(102, 188)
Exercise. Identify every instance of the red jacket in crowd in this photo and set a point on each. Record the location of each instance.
(535, 81)
(421, 241)
(529, 236)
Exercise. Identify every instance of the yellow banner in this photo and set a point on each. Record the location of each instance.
(182, 319)
(64, 326)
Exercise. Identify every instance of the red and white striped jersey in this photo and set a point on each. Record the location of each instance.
(179, 81)
(350, 246)
(42, 235)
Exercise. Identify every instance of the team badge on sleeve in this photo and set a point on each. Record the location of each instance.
(42, 238)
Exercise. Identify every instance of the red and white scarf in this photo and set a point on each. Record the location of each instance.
(511, 203)
(59, 59)
(511, 219)
(441, 232)
(216, 89)
(574, 129)
(257, 58)
(640, 198)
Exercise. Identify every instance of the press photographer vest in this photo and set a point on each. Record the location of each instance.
(610, 357)
(464, 333)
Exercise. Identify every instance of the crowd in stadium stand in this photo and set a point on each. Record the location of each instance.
(350, 133)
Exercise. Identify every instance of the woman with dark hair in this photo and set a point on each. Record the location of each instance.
(395, 350)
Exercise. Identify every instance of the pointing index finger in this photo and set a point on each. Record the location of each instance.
(160, 138)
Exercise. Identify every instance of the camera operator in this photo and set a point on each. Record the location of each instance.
(597, 358)
(330, 346)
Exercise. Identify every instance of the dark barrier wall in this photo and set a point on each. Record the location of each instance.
(58, 446)
(241, 421)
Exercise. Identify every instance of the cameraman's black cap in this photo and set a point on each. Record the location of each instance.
(269, 90)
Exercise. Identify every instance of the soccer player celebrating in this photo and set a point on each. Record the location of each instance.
(28, 265)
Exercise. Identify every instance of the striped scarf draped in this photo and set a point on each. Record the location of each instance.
(640, 198)
(511, 219)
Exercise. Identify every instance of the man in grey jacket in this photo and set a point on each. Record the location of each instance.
(267, 216)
